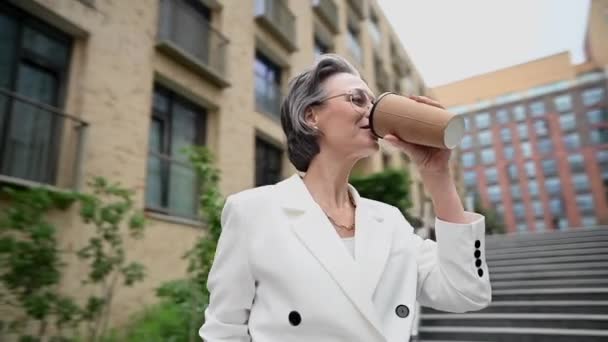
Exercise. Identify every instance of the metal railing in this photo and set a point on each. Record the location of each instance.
(172, 186)
(39, 144)
(328, 10)
(279, 18)
(188, 30)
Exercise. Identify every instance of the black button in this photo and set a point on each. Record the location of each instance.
(294, 318)
(477, 243)
(478, 262)
(477, 253)
(480, 272)
(402, 311)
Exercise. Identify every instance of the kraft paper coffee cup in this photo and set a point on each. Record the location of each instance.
(415, 122)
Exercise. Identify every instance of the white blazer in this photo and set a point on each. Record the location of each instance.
(281, 272)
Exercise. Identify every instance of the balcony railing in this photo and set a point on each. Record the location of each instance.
(172, 187)
(39, 144)
(328, 11)
(185, 34)
(278, 19)
(267, 97)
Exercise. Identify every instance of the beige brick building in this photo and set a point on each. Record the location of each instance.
(140, 79)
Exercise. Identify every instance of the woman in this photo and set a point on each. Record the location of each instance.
(308, 259)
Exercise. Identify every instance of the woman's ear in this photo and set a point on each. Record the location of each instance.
(311, 117)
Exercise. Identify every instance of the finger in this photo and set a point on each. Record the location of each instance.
(398, 142)
(430, 102)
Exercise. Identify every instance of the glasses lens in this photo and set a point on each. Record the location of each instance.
(359, 100)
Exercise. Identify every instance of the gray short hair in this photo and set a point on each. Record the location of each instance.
(305, 90)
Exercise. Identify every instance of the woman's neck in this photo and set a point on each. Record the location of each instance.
(327, 182)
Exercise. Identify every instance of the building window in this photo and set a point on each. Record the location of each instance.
(519, 210)
(533, 187)
(34, 62)
(470, 178)
(530, 169)
(482, 120)
(268, 163)
(494, 193)
(519, 113)
(509, 152)
(540, 225)
(505, 134)
(374, 29)
(537, 108)
(522, 227)
(500, 209)
(171, 183)
(561, 223)
(589, 221)
(512, 169)
(563, 103)
(491, 175)
(572, 141)
(526, 149)
(556, 206)
(468, 159)
(545, 146)
(502, 115)
(186, 24)
(549, 167)
(487, 156)
(567, 121)
(267, 86)
(599, 136)
(466, 142)
(522, 130)
(537, 206)
(552, 184)
(320, 47)
(585, 203)
(541, 128)
(352, 42)
(515, 191)
(592, 96)
(581, 181)
(597, 116)
(577, 162)
(485, 138)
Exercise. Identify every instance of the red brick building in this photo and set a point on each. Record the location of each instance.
(536, 149)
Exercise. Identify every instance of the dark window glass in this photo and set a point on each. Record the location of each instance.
(267, 163)
(171, 183)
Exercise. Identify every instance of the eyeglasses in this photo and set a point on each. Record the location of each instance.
(359, 99)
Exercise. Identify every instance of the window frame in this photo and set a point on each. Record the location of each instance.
(165, 156)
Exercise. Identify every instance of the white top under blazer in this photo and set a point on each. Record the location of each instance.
(282, 273)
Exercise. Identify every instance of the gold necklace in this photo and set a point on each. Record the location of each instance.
(349, 228)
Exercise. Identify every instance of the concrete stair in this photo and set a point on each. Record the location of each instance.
(549, 286)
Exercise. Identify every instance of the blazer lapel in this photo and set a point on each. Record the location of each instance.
(315, 231)
(373, 240)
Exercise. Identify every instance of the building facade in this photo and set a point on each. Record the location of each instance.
(536, 150)
(117, 88)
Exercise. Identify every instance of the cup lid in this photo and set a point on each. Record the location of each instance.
(454, 132)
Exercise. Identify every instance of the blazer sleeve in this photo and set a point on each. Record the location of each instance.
(452, 272)
(230, 282)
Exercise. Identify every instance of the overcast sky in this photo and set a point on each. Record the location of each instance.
(450, 40)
